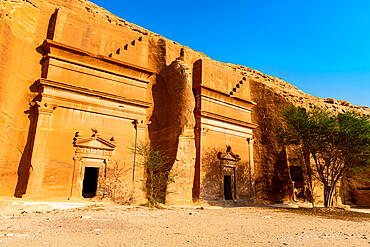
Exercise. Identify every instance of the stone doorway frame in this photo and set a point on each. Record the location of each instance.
(89, 154)
(228, 164)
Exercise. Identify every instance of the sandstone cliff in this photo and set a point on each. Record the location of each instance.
(23, 28)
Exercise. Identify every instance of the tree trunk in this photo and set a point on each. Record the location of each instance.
(328, 196)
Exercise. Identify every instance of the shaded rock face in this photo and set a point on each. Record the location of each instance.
(271, 95)
(172, 126)
(271, 172)
(168, 101)
(22, 29)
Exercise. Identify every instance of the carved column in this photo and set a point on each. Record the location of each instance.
(251, 164)
(76, 187)
(138, 171)
(222, 185)
(39, 158)
(235, 185)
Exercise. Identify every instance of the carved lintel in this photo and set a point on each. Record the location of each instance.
(93, 151)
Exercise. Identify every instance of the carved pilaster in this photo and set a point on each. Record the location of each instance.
(251, 164)
(75, 186)
(39, 154)
(138, 172)
(140, 124)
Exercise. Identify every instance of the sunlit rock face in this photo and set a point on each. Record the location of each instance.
(80, 87)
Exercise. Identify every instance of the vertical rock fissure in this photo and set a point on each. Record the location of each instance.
(172, 126)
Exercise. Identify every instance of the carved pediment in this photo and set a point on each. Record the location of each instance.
(94, 142)
(228, 155)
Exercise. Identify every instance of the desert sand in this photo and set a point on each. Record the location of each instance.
(115, 225)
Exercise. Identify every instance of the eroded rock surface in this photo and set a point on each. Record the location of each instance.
(172, 125)
(170, 102)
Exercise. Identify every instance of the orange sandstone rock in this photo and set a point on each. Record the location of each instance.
(72, 76)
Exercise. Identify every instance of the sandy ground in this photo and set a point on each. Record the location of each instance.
(114, 225)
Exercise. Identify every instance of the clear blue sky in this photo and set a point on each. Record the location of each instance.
(322, 47)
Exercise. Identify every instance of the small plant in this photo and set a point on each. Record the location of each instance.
(113, 185)
(158, 176)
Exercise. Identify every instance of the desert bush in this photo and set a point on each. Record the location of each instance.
(157, 169)
(114, 186)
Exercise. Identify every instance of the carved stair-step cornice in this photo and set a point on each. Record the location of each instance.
(55, 50)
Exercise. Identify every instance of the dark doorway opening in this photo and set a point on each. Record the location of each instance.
(227, 188)
(90, 183)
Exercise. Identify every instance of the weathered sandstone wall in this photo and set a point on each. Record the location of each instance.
(82, 25)
(24, 25)
(272, 94)
(223, 114)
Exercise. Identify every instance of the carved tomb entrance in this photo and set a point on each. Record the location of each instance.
(228, 193)
(228, 161)
(93, 155)
(94, 171)
(90, 183)
(299, 188)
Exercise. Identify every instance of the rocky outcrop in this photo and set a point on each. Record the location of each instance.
(271, 95)
(172, 126)
(295, 96)
(25, 24)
